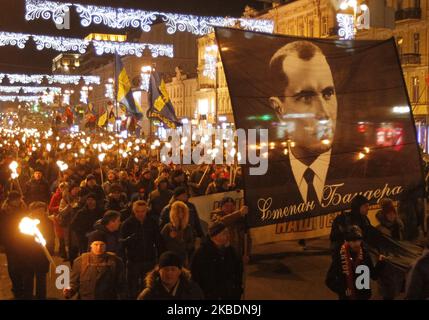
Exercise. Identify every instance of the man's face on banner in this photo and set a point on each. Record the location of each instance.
(309, 105)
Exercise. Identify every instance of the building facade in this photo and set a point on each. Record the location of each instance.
(405, 20)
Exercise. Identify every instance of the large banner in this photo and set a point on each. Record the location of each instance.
(338, 119)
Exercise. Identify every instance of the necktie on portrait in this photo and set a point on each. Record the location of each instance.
(311, 192)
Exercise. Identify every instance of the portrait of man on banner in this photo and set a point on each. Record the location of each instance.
(330, 108)
(304, 97)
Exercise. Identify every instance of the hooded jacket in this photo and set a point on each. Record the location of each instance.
(186, 290)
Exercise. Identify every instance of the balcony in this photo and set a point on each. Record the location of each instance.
(410, 59)
(408, 14)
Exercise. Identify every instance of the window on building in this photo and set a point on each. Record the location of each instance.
(415, 89)
(310, 27)
(416, 42)
(325, 26)
(416, 3)
(301, 29)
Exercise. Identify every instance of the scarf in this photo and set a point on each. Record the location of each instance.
(349, 265)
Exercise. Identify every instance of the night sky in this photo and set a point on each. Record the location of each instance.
(30, 60)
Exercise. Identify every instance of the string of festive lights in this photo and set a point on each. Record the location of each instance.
(34, 90)
(13, 39)
(120, 18)
(58, 78)
(21, 98)
(63, 44)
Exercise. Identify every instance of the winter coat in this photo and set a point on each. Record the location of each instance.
(342, 222)
(194, 218)
(147, 185)
(142, 242)
(235, 223)
(393, 230)
(158, 200)
(218, 272)
(37, 190)
(98, 277)
(83, 222)
(117, 205)
(180, 242)
(111, 238)
(54, 206)
(22, 251)
(418, 279)
(97, 190)
(186, 290)
(336, 280)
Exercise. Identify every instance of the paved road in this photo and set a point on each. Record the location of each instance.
(294, 274)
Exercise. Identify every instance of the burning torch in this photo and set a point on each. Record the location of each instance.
(29, 226)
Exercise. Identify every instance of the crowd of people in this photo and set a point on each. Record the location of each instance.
(126, 226)
(352, 236)
(124, 223)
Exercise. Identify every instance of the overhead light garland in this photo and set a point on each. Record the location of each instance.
(64, 79)
(63, 44)
(120, 18)
(23, 78)
(13, 39)
(91, 80)
(35, 90)
(58, 78)
(6, 89)
(20, 98)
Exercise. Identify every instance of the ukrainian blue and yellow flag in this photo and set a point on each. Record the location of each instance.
(160, 106)
(125, 95)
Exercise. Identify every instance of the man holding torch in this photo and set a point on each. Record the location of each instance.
(12, 211)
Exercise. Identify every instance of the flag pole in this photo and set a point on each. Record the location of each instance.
(115, 99)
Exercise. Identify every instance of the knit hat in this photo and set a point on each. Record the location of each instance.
(96, 236)
(216, 228)
(170, 259)
(90, 177)
(353, 233)
(180, 190)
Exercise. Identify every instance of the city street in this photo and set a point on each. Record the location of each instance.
(293, 275)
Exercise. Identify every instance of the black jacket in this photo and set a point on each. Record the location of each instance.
(37, 190)
(97, 190)
(84, 221)
(218, 272)
(345, 220)
(186, 290)
(141, 242)
(158, 200)
(418, 279)
(117, 205)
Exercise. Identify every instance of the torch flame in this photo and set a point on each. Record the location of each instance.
(29, 226)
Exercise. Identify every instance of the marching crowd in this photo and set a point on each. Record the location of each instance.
(127, 228)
